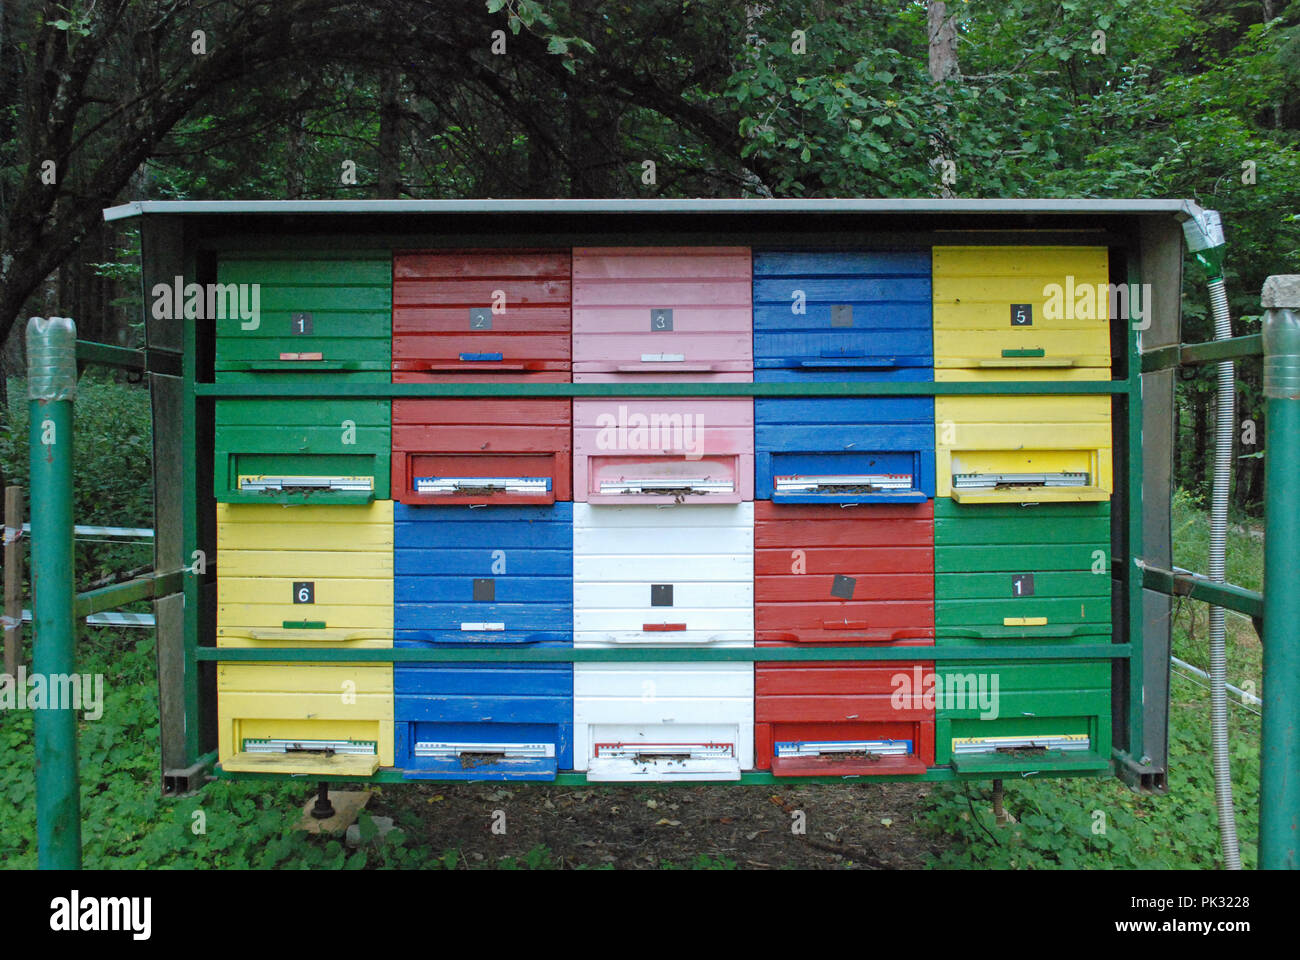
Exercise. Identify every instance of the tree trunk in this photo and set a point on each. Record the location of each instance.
(1200, 450)
(943, 67)
(390, 157)
(943, 43)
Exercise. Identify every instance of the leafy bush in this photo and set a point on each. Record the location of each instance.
(112, 466)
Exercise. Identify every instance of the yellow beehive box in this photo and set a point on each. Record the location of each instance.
(1021, 313)
(305, 718)
(998, 449)
(315, 576)
(305, 576)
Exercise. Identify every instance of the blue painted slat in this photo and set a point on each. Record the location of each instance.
(785, 374)
(493, 536)
(859, 290)
(516, 616)
(773, 318)
(413, 588)
(479, 562)
(556, 513)
(768, 263)
(899, 348)
(850, 412)
(475, 708)
(519, 679)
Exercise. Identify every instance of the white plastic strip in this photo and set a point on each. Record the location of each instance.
(507, 750)
(967, 746)
(977, 481)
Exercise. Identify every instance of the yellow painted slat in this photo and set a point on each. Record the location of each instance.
(1013, 261)
(286, 564)
(271, 638)
(377, 512)
(1060, 348)
(1033, 495)
(308, 706)
(1079, 303)
(978, 410)
(311, 764)
(329, 590)
(275, 678)
(1024, 621)
(988, 374)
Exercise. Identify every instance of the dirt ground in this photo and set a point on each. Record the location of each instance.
(855, 826)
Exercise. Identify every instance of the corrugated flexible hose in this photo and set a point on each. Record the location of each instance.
(1224, 427)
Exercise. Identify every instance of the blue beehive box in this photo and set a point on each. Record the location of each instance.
(831, 450)
(842, 316)
(470, 577)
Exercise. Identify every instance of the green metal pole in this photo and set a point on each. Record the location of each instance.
(51, 388)
(1279, 761)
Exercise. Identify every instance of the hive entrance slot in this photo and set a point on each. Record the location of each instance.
(326, 747)
(482, 486)
(846, 483)
(1021, 746)
(847, 749)
(291, 484)
(480, 754)
(668, 488)
(1002, 481)
(665, 752)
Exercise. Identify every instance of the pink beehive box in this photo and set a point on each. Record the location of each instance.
(662, 313)
(681, 450)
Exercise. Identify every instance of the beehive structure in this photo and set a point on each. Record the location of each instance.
(674, 523)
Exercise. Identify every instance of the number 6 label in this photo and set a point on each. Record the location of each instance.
(304, 592)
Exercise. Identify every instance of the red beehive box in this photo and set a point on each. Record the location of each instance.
(485, 451)
(833, 575)
(846, 720)
(476, 315)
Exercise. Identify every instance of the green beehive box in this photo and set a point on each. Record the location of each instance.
(1012, 573)
(302, 451)
(318, 313)
(1049, 716)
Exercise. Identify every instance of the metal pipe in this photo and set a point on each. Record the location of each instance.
(1205, 239)
(51, 389)
(1279, 751)
(1245, 697)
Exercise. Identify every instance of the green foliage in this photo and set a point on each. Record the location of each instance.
(112, 469)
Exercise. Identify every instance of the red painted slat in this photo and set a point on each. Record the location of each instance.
(481, 263)
(850, 561)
